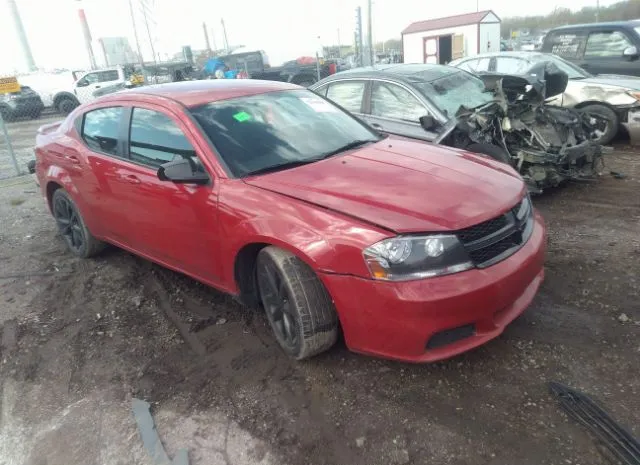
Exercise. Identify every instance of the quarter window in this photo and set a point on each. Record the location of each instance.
(347, 94)
(111, 75)
(510, 65)
(395, 102)
(155, 139)
(100, 130)
(606, 44)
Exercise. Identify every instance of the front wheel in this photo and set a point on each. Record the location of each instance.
(609, 128)
(298, 307)
(66, 106)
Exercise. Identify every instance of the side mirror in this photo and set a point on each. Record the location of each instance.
(630, 52)
(82, 83)
(428, 122)
(181, 172)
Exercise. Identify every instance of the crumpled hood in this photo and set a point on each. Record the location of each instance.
(404, 186)
(619, 80)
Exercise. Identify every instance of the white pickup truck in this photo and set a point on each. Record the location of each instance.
(89, 82)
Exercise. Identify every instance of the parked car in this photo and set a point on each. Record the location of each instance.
(271, 193)
(599, 48)
(615, 98)
(55, 89)
(448, 106)
(23, 103)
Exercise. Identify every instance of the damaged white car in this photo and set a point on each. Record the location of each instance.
(506, 119)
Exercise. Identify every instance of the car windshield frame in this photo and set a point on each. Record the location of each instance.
(428, 90)
(562, 64)
(250, 110)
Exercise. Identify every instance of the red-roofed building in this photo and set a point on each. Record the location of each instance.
(444, 39)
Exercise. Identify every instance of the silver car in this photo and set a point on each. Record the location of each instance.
(615, 97)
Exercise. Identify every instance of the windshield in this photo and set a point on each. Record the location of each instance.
(573, 71)
(454, 90)
(277, 129)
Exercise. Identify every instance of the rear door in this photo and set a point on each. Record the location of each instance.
(569, 44)
(395, 109)
(604, 53)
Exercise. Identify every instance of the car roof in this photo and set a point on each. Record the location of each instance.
(408, 72)
(529, 56)
(631, 23)
(194, 93)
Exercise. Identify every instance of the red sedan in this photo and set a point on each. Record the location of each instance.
(269, 192)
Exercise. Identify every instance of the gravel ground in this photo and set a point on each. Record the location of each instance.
(95, 331)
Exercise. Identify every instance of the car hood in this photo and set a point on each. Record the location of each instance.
(629, 82)
(403, 186)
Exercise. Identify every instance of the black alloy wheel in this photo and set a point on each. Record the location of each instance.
(278, 306)
(69, 223)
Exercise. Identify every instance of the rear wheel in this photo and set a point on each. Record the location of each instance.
(298, 307)
(66, 106)
(71, 226)
(608, 130)
(492, 150)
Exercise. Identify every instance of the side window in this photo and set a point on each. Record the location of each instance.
(100, 129)
(347, 94)
(392, 101)
(90, 78)
(606, 44)
(509, 65)
(322, 91)
(483, 64)
(155, 139)
(111, 75)
(469, 65)
(568, 45)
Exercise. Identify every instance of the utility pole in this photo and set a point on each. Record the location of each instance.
(370, 34)
(358, 37)
(146, 23)
(135, 33)
(339, 50)
(22, 35)
(213, 39)
(224, 35)
(87, 36)
(206, 37)
(597, 10)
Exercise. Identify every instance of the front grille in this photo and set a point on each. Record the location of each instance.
(498, 238)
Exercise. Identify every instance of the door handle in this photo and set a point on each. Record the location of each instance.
(97, 87)
(130, 178)
(73, 159)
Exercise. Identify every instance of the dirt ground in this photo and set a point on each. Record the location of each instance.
(83, 337)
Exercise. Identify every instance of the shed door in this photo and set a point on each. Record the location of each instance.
(431, 50)
(458, 46)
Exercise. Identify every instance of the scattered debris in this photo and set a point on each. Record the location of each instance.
(360, 441)
(623, 318)
(137, 301)
(581, 408)
(617, 175)
(150, 437)
(221, 321)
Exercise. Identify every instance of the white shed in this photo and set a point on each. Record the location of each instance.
(444, 39)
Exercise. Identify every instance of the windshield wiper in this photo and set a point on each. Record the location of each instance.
(351, 145)
(282, 166)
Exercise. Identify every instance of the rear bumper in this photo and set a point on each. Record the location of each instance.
(433, 319)
(26, 109)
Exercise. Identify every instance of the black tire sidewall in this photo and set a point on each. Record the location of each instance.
(263, 259)
(66, 106)
(86, 235)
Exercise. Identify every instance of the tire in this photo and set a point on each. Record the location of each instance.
(298, 307)
(493, 151)
(612, 121)
(66, 105)
(72, 227)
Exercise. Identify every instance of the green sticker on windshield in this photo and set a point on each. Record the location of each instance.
(242, 116)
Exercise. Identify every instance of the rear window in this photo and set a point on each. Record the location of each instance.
(100, 130)
(568, 45)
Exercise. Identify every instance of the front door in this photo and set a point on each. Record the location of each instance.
(90, 82)
(604, 54)
(175, 224)
(395, 110)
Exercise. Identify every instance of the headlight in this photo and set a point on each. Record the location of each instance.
(634, 94)
(416, 257)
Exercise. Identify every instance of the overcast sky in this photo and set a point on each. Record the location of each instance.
(283, 28)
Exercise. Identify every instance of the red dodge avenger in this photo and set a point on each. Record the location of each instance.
(269, 192)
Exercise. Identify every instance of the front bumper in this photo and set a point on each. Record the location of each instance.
(437, 318)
